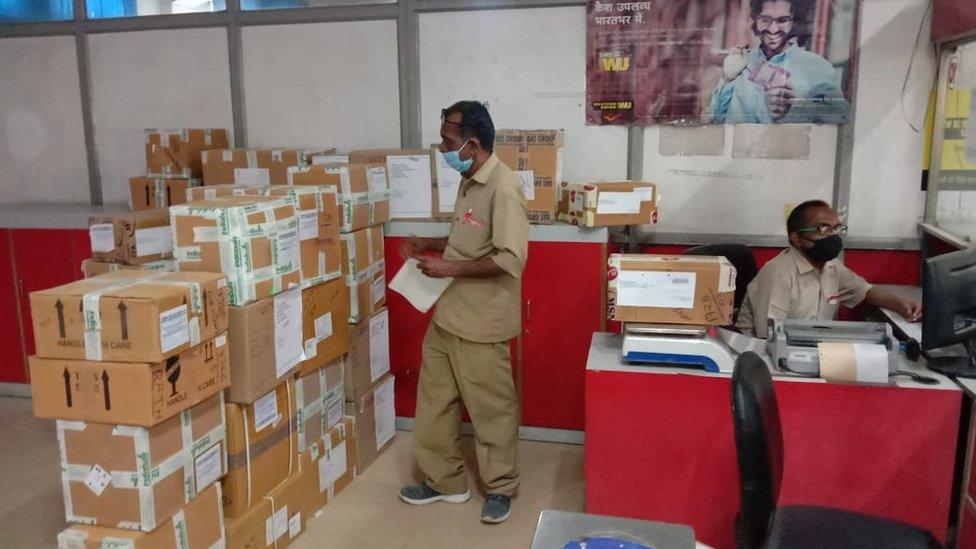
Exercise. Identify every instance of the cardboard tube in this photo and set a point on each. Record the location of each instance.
(853, 362)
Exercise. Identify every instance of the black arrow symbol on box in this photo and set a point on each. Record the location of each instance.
(169, 196)
(60, 307)
(67, 386)
(147, 195)
(108, 398)
(124, 320)
(206, 316)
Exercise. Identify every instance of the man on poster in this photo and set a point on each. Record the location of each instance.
(779, 81)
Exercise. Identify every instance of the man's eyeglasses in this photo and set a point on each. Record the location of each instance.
(764, 21)
(825, 230)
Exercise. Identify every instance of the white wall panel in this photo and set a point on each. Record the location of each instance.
(153, 79)
(529, 65)
(322, 84)
(42, 140)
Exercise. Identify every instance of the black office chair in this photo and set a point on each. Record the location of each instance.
(741, 258)
(759, 448)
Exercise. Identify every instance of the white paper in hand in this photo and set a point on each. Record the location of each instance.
(420, 290)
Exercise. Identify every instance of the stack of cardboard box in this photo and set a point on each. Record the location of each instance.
(133, 365)
(254, 167)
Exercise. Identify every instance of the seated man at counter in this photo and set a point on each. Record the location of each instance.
(807, 281)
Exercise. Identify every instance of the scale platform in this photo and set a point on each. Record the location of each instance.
(677, 346)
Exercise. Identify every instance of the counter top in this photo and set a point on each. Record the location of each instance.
(557, 232)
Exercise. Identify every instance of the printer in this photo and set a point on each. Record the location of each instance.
(792, 344)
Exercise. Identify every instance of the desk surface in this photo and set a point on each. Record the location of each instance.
(606, 355)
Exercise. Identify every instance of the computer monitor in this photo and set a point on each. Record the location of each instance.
(949, 316)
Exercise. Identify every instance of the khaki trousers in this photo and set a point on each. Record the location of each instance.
(456, 370)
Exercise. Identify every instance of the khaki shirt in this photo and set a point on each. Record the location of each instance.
(489, 221)
(790, 287)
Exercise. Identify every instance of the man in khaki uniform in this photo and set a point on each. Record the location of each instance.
(466, 353)
(806, 281)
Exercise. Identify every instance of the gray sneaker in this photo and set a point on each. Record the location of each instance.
(421, 494)
(497, 509)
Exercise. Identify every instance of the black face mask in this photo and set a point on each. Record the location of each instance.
(826, 248)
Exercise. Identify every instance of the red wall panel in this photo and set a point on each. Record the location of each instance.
(953, 18)
(13, 368)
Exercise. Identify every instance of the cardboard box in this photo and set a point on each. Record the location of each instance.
(213, 192)
(200, 524)
(129, 315)
(369, 354)
(364, 267)
(91, 268)
(608, 204)
(254, 167)
(331, 462)
(319, 398)
(131, 237)
(128, 393)
(318, 231)
(412, 176)
(261, 447)
(266, 346)
(176, 153)
(136, 478)
(251, 239)
(363, 194)
(148, 193)
(325, 323)
(374, 417)
(670, 289)
(538, 152)
(277, 519)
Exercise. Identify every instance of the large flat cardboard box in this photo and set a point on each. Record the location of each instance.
(148, 193)
(375, 422)
(129, 393)
(266, 346)
(536, 155)
(363, 192)
(364, 268)
(276, 519)
(200, 524)
(176, 153)
(91, 268)
(608, 204)
(331, 462)
(261, 447)
(129, 315)
(131, 237)
(412, 176)
(325, 323)
(254, 167)
(136, 478)
(369, 354)
(252, 239)
(670, 289)
(319, 398)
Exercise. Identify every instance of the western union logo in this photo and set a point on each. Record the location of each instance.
(615, 64)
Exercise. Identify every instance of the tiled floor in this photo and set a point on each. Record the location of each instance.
(367, 514)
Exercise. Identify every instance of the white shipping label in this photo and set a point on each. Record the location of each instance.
(97, 480)
(618, 203)
(208, 466)
(288, 330)
(330, 159)
(528, 183)
(311, 348)
(308, 225)
(287, 251)
(220, 341)
(379, 290)
(334, 409)
(174, 328)
(656, 289)
(448, 182)
(252, 177)
(379, 345)
(294, 526)
(410, 188)
(323, 326)
(385, 413)
(102, 237)
(276, 525)
(377, 179)
(154, 241)
(726, 277)
(265, 411)
(332, 466)
(646, 194)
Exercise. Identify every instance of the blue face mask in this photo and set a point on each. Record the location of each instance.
(453, 159)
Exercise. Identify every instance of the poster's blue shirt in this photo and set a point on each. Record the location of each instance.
(816, 86)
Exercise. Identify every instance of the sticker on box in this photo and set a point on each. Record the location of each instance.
(656, 289)
(528, 183)
(174, 327)
(97, 479)
(265, 411)
(208, 466)
(102, 237)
